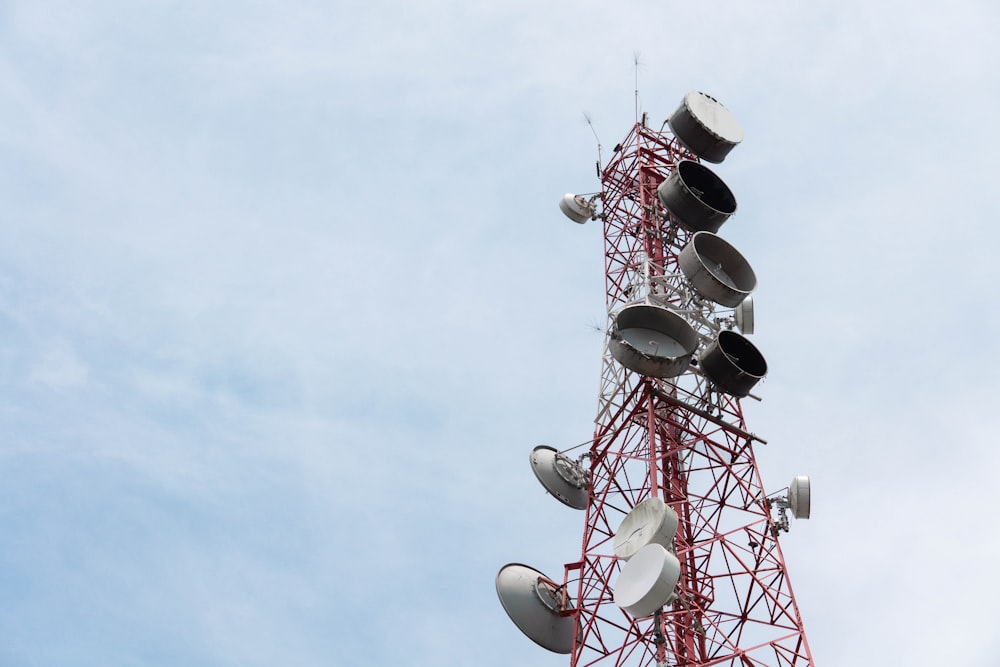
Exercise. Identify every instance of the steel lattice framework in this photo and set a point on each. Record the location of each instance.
(681, 440)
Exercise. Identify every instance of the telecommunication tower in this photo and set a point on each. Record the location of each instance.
(680, 562)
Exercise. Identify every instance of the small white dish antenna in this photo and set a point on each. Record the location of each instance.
(716, 270)
(647, 581)
(705, 127)
(797, 501)
(650, 522)
(798, 497)
(561, 476)
(652, 340)
(576, 208)
(537, 606)
(744, 316)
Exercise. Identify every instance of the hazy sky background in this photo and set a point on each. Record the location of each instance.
(286, 301)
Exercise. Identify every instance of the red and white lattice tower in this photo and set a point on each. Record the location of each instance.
(680, 562)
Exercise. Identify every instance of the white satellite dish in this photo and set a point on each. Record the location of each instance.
(716, 270)
(535, 605)
(647, 581)
(650, 522)
(705, 127)
(561, 476)
(652, 340)
(799, 497)
(696, 197)
(576, 208)
(744, 316)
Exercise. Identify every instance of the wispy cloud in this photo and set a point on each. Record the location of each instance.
(285, 302)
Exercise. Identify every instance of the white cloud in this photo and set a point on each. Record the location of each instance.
(58, 368)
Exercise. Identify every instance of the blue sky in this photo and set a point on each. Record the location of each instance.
(286, 301)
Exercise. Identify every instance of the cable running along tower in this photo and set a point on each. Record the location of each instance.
(680, 562)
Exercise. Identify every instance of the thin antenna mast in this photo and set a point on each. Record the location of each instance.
(586, 117)
(635, 58)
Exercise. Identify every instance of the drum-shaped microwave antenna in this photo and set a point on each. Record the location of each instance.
(561, 476)
(716, 270)
(705, 127)
(650, 522)
(647, 581)
(798, 497)
(696, 197)
(652, 340)
(744, 316)
(576, 208)
(733, 363)
(535, 604)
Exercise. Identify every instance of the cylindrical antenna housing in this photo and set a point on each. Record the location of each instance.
(705, 127)
(696, 197)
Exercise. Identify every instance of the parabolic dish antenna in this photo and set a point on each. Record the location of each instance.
(647, 581)
(716, 270)
(744, 316)
(534, 603)
(705, 127)
(576, 208)
(798, 497)
(733, 363)
(652, 340)
(698, 198)
(561, 476)
(650, 522)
